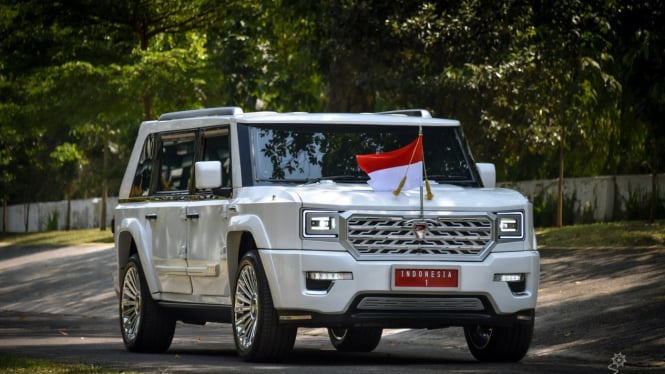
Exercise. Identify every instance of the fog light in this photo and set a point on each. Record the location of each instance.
(508, 277)
(516, 282)
(329, 276)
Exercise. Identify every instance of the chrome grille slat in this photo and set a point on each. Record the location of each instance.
(459, 236)
(421, 304)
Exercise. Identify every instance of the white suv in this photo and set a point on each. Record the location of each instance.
(267, 221)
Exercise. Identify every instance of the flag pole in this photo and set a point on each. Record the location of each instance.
(398, 190)
(422, 204)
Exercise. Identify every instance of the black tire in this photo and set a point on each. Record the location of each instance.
(499, 343)
(355, 339)
(256, 330)
(144, 325)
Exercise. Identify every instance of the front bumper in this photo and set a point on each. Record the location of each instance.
(370, 299)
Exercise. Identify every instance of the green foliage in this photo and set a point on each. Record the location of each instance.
(52, 220)
(19, 365)
(527, 79)
(58, 238)
(604, 235)
(545, 209)
(636, 205)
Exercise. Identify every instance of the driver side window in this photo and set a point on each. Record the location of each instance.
(216, 148)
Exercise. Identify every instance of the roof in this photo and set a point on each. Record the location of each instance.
(407, 117)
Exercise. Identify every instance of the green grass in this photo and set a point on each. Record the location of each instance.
(20, 365)
(613, 234)
(59, 238)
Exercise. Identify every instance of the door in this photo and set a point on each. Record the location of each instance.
(167, 212)
(207, 212)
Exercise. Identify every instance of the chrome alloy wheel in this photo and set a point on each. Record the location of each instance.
(130, 304)
(246, 307)
(480, 336)
(338, 333)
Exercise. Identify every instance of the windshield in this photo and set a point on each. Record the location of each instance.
(308, 153)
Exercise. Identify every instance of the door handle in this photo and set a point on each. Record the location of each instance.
(192, 215)
(151, 216)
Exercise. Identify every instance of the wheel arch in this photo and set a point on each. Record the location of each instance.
(134, 239)
(238, 243)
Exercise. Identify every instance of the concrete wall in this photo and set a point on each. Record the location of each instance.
(85, 214)
(607, 197)
(602, 196)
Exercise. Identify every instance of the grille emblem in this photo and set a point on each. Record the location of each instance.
(420, 229)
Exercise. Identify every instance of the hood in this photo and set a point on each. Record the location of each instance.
(446, 197)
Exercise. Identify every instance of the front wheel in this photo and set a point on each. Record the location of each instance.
(145, 326)
(256, 330)
(355, 339)
(499, 343)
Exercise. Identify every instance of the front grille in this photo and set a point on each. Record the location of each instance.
(461, 237)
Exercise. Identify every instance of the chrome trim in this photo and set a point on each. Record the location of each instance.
(208, 270)
(448, 236)
(421, 303)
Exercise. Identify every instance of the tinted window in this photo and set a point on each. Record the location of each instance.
(301, 153)
(216, 148)
(143, 175)
(176, 161)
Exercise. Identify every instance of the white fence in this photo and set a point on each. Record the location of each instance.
(84, 214)
(606, 198)
(602, 197)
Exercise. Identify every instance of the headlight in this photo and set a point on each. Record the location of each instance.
(320, 224)
(510, 226)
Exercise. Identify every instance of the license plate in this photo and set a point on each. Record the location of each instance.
(425, 278)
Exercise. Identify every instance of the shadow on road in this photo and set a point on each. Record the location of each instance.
(59, 303)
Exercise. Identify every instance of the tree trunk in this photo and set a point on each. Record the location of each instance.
(654, 176)
(4, 214)
(559, 210)
(26, 215)
(105, 186)
(68, 224)
(147, 107)
(345, 94)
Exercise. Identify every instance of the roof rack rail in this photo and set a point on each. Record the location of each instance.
(219, 111)
(410, 113)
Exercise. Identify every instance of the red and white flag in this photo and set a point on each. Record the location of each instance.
(388, 170)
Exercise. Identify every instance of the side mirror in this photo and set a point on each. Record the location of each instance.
(487, 174)
(208, 175)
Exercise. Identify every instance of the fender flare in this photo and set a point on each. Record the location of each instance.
(250, 223)
(130, 229)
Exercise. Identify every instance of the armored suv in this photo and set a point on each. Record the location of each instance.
(267, 221)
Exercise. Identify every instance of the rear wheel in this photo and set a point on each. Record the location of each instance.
(355, 339)
(145, 326)
(499, 343)
(256, 330)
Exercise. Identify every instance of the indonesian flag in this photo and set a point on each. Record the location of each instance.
(395, 170)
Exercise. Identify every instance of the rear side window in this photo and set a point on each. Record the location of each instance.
(143, 175)
(176, 160)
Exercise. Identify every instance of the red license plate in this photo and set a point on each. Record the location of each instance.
(426, 278)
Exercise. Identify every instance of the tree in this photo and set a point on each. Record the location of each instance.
(640, 67)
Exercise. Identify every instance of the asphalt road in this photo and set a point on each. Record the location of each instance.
(595, 306)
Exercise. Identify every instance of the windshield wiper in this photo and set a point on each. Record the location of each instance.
(456, 180)
(339, 178)
(447, 177)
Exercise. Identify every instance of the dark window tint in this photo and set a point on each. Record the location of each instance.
(143, 175)
(176, 162)
(216, 148)
(306, 152)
